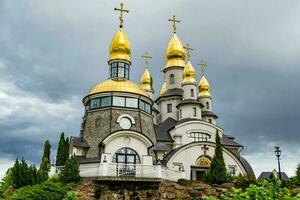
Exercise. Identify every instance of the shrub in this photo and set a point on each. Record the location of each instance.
(244, 181)
(70, 196)
(44, 191)
(70, 171)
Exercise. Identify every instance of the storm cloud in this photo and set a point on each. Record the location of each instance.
(52, 52)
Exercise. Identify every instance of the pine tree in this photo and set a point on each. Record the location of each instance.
(45, 163)
(217, 172)
(22, 174)
(70, 171)
(62, 150)
(297, 177)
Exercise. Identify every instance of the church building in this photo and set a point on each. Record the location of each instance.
(127, 132)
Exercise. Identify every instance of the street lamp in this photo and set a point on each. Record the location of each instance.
(278, 154)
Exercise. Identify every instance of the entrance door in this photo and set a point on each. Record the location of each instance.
(198, 173)
(126, 160)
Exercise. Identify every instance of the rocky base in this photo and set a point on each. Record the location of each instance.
(166, 190)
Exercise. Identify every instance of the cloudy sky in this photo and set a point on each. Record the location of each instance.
(52, 52)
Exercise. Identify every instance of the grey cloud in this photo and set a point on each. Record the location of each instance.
(55, 52)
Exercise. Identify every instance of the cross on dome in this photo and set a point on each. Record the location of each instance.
(203, 65)
(121, 10)
(174, 20)
(188, 49)
(146, 58)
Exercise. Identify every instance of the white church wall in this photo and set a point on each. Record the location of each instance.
(164, 109)
(130, 140)
(183, 130)
(204, 102)
(187, 91)
(188, 112)
(189, 155)
(178, 77)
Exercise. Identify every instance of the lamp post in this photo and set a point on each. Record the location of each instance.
(278, 154)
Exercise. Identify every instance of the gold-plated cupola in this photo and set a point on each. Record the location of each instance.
(146, 78)
(175, 54)
(204, 87)
(120, 46)
(189, 73)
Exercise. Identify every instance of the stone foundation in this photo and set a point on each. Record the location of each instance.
(165, 190)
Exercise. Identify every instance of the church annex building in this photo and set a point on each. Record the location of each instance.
(126, 133)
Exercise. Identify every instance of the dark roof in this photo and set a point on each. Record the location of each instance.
(189, 101)
(79, 142)
(247, 166)
(83, 160)
(229, 141)
(161, 147)
(187, 120)
(209, 113)
(154, 109)
(266, 175)
(162, 130)
(170, 92)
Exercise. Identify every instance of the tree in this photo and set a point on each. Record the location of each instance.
(70, 171)
(217, 172)
(297, 177)
(45, 163)
(62, 150)
(22, 174)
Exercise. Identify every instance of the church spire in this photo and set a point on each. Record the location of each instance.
(204, 87)
(120, 46)
(146, 78)
(175, 54)
(188, 73)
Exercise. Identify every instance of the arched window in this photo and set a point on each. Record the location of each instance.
(126, 156)
(172, 79)
(207, 105)
(192, 93)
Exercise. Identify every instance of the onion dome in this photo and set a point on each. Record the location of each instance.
(118, 86)
(120, 47)
(146, 81)
(188, 74)
(163, 88)
(175, 54)
(204, 88)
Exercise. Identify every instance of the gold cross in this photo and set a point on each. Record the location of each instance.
(174, 23)
(121, 9)
(146, 58)
(188, 49)
(203, 65)
(205, 149)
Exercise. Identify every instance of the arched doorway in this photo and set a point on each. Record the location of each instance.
(202, 165)
(126, 160)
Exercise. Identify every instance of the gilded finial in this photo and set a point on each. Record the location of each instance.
(121, 9)
(188, 49)
(174, 20)
(203, 65)
(146, 58)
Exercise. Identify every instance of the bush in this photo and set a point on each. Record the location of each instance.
(70, 196)
(244, 181)
(44, 191)
(70, 171)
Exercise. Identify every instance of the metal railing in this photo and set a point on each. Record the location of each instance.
(127, 170)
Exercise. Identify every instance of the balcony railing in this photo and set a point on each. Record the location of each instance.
(127, 170)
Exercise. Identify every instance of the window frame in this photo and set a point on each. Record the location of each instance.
(169, 108)
(172, 79)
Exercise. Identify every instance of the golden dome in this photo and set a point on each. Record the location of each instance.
(204, 88)
(124, 85)
(163, 88)
(120, 46)
(175, 54)
(146, 80)
(189, 74)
